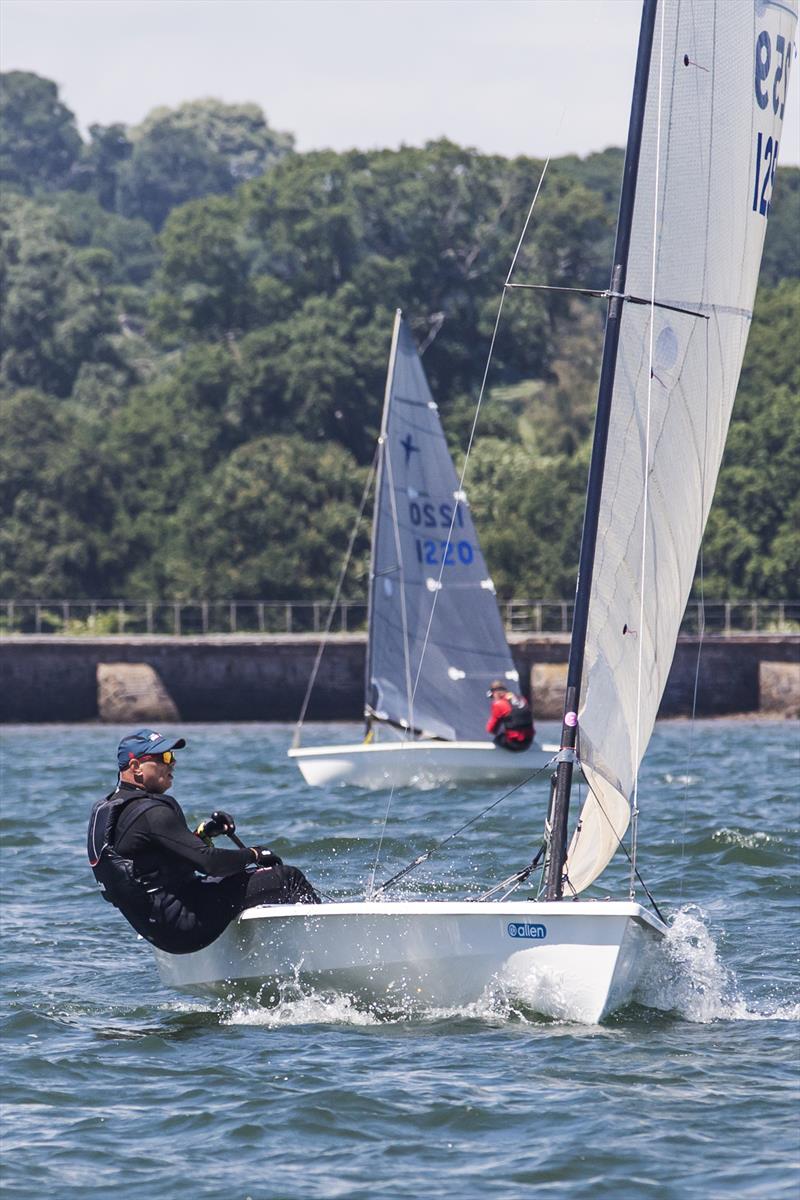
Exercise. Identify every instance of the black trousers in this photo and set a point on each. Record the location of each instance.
(502, 741)
(196, 913)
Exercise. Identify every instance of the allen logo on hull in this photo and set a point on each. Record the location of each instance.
(526, 929)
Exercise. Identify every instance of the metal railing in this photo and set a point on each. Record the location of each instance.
(201, 618)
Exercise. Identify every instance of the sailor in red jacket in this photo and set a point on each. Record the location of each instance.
(511, 719)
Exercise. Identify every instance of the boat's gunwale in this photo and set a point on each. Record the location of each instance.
(458, 908)
(407, 747)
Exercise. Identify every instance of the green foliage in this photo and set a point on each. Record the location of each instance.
(752, 545)
(191, 412)
(97, 168)
(239, 133)
(196, 150)
(205, 289)
(58, 303)
(57, 495)
(277, 509)
(781, 258)
(529, 517)
(38, 138)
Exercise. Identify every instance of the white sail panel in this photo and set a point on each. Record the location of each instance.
(436, 639)
(719, 73)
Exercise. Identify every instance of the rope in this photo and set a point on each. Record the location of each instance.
(513, 881)
(334, 602)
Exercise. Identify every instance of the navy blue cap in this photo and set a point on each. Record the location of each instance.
(146, 741)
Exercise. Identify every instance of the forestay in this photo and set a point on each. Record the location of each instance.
(435, 635)
(715, 104)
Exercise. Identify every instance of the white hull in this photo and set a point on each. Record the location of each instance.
(574, 960)
(416, 764)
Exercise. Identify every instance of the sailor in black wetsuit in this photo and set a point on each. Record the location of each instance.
(172, 885)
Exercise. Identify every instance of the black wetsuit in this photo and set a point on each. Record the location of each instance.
(180, 893)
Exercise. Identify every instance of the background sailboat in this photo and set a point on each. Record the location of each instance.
(709, 98)
(436, 639)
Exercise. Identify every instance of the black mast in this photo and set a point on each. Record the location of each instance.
(554, 879)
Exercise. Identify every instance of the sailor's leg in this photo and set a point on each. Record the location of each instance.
(278, 885)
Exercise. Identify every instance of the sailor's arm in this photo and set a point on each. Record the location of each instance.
(168, 830)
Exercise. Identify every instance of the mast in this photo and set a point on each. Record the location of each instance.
(398, 317)
(559, 815)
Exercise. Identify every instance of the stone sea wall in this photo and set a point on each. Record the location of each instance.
(232, 678)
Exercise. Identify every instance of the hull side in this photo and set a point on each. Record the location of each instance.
(570, 960)
(415, 764)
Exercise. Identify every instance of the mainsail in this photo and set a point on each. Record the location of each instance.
(715, 103)
(435, 635)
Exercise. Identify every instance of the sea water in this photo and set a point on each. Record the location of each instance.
(112, 1085)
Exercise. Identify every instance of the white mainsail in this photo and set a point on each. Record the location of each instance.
(715, 103)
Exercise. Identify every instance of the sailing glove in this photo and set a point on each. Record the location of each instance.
(217, 824)
(266, 858)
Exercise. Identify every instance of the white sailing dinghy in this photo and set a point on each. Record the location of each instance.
(436, 639)
(709, 98)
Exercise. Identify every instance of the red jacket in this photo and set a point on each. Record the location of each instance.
(501, 709)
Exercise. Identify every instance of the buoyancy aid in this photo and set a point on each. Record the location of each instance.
(520, 719)
(118, 881)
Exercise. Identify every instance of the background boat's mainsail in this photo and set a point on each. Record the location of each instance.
(413, 564)
(715, 103)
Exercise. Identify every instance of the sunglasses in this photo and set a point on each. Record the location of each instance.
(168, 758)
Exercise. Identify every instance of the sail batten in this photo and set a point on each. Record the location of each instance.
(433, 614)
(722, 100)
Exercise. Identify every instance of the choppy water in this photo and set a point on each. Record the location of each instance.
(112, 1085)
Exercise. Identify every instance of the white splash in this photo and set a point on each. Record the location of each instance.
(687, 977)
(312, 1008)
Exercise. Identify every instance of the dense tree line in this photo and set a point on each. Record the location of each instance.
(195, 329)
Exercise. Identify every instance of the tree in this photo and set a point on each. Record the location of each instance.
(273, 522)
(782, 242)
(752, 541)
(58, 307)
(200, 149)
(205, 289)
(98, 166)
(38, 138)
(238, 133)
(320, 373)
(167, 167)
(57, 492)
(528, 514)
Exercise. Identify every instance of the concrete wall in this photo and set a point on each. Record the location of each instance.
(232, 678)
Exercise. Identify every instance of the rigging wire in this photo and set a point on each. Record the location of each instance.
(471, 439)
(513, 881)
(421, 858)
(701, 636)
(340, 583)
(460, 492)
(624, 848)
